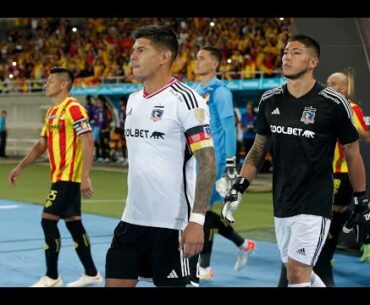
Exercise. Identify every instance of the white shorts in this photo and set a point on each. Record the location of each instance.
(301, 237)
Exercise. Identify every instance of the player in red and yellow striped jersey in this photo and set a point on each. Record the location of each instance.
(339, 163)
(63, 124)
(67, 137)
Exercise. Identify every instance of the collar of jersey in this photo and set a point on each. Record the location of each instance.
(210, 82)
(146, 95)
(65, 101)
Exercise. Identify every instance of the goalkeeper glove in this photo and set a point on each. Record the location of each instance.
(226, 181)
(359, 221)
(233, 198)
(365, 248)
(231, 172)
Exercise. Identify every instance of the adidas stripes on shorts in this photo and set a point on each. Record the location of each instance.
(301, 237)
(148, 252)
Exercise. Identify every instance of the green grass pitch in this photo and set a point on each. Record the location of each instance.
(254, 217)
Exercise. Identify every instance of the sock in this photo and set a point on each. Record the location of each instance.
(283, 280)
(205, 255)
(316, 281)
(300, 285)
(205, 260)
(82, 246)
(52, 246)
(244, 244)
(225, 229)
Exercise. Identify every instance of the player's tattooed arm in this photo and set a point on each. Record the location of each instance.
(258, 152)
(205, 178)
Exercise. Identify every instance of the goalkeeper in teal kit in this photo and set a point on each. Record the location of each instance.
(222, 124)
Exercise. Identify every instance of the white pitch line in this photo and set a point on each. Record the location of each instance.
(13, 206)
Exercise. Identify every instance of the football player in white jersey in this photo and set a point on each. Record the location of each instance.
(167, 129)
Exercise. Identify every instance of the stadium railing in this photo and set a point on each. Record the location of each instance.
(35, 86)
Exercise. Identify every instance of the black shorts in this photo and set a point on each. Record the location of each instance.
(64, 199)
(343, 191)
(149, 252)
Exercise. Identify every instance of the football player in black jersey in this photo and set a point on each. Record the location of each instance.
(303, 119)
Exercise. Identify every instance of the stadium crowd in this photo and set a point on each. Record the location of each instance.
(97, 49)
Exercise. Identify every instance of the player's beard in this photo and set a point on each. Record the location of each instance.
(297, 75)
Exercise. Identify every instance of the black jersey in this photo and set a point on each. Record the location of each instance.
(304, 131)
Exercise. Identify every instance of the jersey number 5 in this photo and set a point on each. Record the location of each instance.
(51, 198)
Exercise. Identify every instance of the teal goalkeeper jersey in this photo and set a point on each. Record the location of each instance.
(220, 101)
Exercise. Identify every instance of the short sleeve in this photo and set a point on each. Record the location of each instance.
(358, 118)
(262, 126)
(79, 118)
(194, 118)
(43, 131)
(343, 124)
(44, 128)
(194, 112)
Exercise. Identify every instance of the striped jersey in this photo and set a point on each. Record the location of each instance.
(162, 130)
(339, 163)
(304, 131)
(63, 124)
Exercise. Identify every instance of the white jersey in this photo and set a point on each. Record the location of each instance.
(162, 172)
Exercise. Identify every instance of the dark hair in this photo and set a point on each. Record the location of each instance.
(161, 36)
(308, 43)
(215, 53)
(66, 71)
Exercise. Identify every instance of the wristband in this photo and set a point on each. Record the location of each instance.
(197, 218)
(357, 194)
(361, 202)
(241, 184)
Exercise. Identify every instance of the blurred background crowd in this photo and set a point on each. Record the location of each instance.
(98, 49)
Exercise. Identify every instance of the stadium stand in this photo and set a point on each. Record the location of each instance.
(97, 49)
